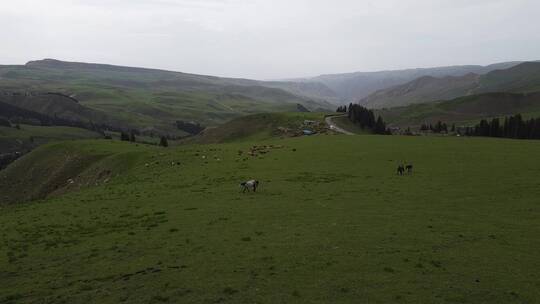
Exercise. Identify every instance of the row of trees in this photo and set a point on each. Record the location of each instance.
(342, 109)
(439, 127)
(512, 127)
(163, 141)
(128, 137)
(509, 127)
(365, 118)
(189, 127)
(4, 122)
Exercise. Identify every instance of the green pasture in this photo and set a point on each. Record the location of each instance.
(27, 136)
(332, 222)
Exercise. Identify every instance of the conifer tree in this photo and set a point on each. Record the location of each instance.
(380, 126)
(124, 136)
(163, 141)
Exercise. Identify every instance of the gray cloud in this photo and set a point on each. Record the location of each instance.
(271, 39)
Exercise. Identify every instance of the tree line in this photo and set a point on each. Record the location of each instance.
(439, 127)
(342, 109)
(192, 128)
(124, 136)
(514, 126)
(365, 118)
(510, 127)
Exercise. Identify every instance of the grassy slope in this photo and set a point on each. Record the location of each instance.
(347, 125)
(47, 171)
(465, 110)
(56, 106)
(356, 86)
(423, 89)
(12, 139)
(331, 224)
(523, 78)
(152, 98)
(256, 127)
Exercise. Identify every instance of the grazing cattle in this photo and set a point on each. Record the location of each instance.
(250, 185)
(409, 168)
(400, 170)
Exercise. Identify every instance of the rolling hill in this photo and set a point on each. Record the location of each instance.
(262, 127)
(351, 87)
(420, 90)
(53, 105)
(152, 100)
(465, 110)
(15, 142)
(49, 169)
(522, 78)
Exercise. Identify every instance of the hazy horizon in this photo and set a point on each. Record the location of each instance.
(271, 40)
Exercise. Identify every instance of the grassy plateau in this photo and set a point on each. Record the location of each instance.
(332, 222)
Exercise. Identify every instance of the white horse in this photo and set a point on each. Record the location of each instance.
(250, 185)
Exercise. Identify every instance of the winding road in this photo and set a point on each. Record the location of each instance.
(334, 127)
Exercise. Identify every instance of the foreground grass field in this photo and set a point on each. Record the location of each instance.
(331, 224)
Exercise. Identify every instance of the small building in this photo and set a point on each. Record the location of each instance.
(310, 122)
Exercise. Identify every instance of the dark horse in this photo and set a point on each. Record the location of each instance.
(400, 170)
(409, 168)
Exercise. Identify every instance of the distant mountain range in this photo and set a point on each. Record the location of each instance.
(352, 87)
(521, 78)
(151, 101)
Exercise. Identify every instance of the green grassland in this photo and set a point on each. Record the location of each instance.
(27, 137)
(160, 110)
(261, 126)
(332, 222)
(522, 78)
(466, 110)
(149, 99)
(346, 124)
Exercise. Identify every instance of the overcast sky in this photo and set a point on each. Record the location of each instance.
(269, 39)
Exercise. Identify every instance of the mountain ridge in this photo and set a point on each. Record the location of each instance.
(464, 110)
(522, 78)
(152, 99)
(354, 86)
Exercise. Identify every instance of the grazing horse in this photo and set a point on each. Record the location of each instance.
(409, 168)
(400, 170)
(250, 185)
